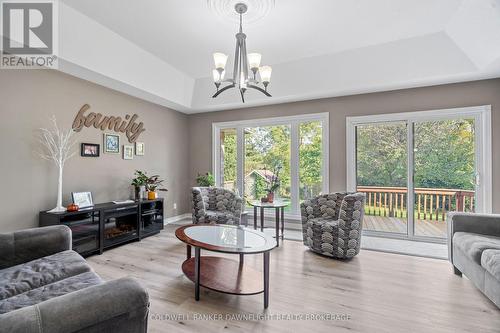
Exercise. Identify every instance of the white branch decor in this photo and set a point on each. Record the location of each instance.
(58, 147)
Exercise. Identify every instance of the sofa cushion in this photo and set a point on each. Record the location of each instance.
(490, 260)
(472, 245)
(48, 291)
(19, 279)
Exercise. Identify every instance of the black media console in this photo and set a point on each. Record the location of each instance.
(105, 225)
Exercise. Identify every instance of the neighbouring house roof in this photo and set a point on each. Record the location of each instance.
(266, 174)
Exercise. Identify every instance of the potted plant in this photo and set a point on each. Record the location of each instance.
(139, 183)
(206, 180)
(152, 186)
(274, 184)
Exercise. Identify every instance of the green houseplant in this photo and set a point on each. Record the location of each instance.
(153, 184)
(205, 180)
(139, 183)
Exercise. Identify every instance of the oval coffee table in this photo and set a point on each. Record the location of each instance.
(222, 274)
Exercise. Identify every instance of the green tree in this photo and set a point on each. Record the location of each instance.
(310, 159)
(444, 154)
(228, 143)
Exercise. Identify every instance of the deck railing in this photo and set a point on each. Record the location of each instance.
(430, 203)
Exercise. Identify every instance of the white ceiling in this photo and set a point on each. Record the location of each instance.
(186, 33)
(300, 38)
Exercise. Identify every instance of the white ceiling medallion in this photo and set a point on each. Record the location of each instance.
(257, 9)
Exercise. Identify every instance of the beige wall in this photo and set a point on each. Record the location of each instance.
(28, 184)
(177, 146)
(445, 96)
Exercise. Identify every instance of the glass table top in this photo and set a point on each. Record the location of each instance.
(226, 238)
(275, 204)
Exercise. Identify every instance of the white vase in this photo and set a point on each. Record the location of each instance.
(59, 207)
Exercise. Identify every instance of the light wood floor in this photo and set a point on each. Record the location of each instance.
(398, 225)
(380, 292)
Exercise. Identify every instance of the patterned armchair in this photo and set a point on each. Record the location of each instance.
(332, 223)
(216, 205)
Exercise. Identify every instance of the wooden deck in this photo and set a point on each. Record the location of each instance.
(398, 225)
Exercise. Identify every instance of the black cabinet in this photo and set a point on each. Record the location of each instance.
(151, 218)
(106, 225)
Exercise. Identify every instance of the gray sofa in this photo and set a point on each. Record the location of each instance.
(46, 287)
(474, 250)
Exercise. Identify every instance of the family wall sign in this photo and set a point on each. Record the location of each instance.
(127, 125)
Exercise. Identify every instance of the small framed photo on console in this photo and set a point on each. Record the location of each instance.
(90, 150)
(82, 199)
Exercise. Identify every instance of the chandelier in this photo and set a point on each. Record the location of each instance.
(242, 62)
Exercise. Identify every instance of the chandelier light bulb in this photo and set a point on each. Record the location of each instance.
(220, 60)
(254, 60)
(265, 73)
(216, 75)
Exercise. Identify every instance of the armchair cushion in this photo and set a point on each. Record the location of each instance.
(221, 217)
(41, 272)
(473, 245)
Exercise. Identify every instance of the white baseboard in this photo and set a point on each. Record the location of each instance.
(177, 218)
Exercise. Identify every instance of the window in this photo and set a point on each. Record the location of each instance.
(416, 167)
(248, 154)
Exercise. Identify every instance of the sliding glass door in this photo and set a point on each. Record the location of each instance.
(382, 166)
(249, 154)
(417, 167)
(444, 173)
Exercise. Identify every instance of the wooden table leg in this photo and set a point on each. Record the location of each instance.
(266, 279)
(197, 273)
(283, 223)
(188, 251)
(255, 218)
(277, 226)
(262, 219)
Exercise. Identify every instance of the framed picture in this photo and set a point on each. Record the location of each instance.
(82, 199)
(89, 150)
(139, 148)
(128, 152)
(111, 143)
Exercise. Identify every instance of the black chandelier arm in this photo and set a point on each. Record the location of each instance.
(242, 93)
(223, 89)
(259, 89)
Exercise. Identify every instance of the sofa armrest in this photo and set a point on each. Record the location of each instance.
(120, 306)
(486, 224)
(25, 245)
